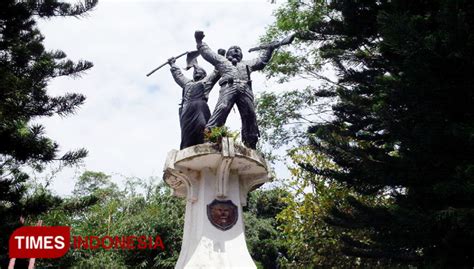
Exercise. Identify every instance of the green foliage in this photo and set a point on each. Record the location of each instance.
(216, 134)
(94, 183)
(283, 117)
(136, 209)
(301, 58)
(402, 123)
(311, 241)
(26, 67)
(261, 227)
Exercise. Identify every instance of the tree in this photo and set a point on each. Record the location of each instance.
(403, 124)
(26, 67)
(101, 208)
(261, 227)
(283, 117)
(311, 241)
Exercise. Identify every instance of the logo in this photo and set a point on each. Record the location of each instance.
(39, 242)
(118, 242)
(55, 241)
(222, 214)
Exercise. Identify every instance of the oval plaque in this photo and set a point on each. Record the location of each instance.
(223, 214)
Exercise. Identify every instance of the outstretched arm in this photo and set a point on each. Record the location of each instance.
(260, 62)
(177, 75)
(213, 58)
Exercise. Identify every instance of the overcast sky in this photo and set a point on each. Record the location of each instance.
(129, 121)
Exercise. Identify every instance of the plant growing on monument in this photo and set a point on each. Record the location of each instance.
(215, 134)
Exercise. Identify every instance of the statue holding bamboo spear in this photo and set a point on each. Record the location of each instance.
(193, 111)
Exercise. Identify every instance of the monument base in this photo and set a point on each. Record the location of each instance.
(215, 180)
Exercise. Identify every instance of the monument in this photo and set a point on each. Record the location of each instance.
(215, 179)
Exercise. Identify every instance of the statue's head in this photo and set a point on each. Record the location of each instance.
(199, 73)
(234, 54)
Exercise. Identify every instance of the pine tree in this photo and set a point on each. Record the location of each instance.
(403, 127)
(26, 67)
(403, 122)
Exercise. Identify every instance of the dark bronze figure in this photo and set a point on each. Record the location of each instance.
(194, 112)
(236, 86)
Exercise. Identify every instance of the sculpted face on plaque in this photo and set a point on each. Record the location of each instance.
(222, 214)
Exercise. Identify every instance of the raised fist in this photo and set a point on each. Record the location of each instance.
(221, 52)
(199, 35)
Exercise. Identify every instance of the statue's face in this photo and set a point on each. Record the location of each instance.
(234, 54)
(221, 214)
(198, 75)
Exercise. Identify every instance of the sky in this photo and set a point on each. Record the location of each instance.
(129, 122)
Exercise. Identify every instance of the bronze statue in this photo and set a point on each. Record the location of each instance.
(236, 85)
(194, 112)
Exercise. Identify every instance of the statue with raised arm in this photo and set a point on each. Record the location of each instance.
(236, 86)
(194, 111)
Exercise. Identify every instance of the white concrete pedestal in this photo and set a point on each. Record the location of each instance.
(202, 174)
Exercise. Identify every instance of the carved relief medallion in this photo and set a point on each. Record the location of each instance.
(222, 214)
